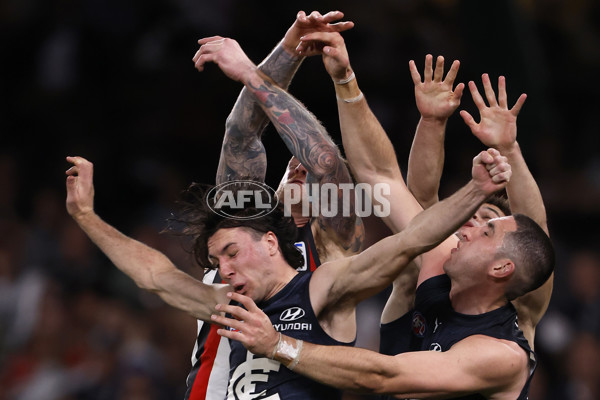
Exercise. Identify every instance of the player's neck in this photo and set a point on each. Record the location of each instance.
(475, 300)
(280, 276)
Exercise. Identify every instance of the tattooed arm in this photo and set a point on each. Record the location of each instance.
(302, 133)
(242, 153)
(309, 142)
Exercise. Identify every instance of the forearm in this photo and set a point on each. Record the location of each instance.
(426, 161)
(299, 129)
(369, 151)
(523, 192)
(378, 266)
(243, 154)
(247, 116)
(407, 374)
(431, 227)
(281, 65)
(345, 368)
(150, 269)
(138, 261)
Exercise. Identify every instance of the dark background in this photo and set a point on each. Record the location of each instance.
(113, 81)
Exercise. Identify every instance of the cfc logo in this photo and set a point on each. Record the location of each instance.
(292, 314)
(250, 374)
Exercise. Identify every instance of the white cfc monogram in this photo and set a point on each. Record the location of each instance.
(242, 385)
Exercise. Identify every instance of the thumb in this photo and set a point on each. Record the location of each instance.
(469, 120)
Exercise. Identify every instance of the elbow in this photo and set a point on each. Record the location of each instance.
(148, 283)
(374, 375)
(371, 383)
(157, 277)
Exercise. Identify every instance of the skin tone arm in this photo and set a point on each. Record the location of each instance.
(338, 286)
(243, 154)
(498, 128)
(373, 160)
(302, 133)
(436, 100)
(478, 364)
(369, 151)
(150, 269)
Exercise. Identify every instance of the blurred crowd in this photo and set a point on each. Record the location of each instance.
(113, 81)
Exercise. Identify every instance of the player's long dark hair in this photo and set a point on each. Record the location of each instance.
(199, 217)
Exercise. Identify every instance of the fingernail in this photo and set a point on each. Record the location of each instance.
(229, 294)
(213, 317)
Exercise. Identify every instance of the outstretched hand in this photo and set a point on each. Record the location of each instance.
(227, 54)
(80, 187)
(315, 22)
(435, 97)
(498, 125)
(332, 47)
(491, 171)
(251, 326)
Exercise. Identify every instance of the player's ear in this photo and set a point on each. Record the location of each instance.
(271, 242)
(503, 268)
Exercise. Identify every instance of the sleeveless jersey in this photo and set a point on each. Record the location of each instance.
(433, 325)
(209, 376)
(253, 377)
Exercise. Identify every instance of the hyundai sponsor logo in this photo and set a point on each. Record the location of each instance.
(292, 314)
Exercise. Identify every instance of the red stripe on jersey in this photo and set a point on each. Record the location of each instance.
(207, 359)
(313, 265)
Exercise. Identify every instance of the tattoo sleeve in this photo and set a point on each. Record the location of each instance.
(243, 154)
(308, 140)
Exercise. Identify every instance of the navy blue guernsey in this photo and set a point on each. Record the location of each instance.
(253, 377)
(433, 325)
(210, 359)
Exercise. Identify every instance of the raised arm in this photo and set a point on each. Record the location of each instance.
(243, 154)
(372, 159)
(302, 133)
(498, 128)
(369, 151)
(436, 100)
(150, 269)
(353, 279)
